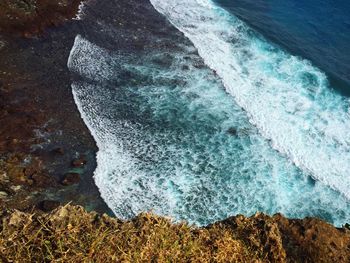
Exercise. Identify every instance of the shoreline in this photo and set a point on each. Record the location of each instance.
(42, 132)
(43, 139)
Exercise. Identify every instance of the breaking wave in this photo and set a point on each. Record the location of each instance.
(173, 139)
(287, 98)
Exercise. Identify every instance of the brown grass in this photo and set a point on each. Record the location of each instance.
(70, 234)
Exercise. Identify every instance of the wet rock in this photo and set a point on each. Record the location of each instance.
(48, 205)
(199, 65)
(71, 178)
(31, 17)
(232, 131)
(59, 151)
(16, 175)
(41, 180)
(79, 162)
(31, 169)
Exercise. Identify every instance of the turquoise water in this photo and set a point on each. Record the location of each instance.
(256, 132)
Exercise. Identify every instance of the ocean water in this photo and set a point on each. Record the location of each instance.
(198, 116)
(316, 30)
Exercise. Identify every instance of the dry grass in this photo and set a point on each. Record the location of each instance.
(70, 234)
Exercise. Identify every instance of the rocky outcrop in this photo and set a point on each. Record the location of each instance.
(292, 240)
(70, 234)
(313, 240)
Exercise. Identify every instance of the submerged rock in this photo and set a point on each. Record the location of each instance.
(71, 178)
(79, 162)
(232, 131)
(59, 151)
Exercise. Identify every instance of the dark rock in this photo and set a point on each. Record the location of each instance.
(79, 162)
(48, 129)
(232, 131)
(48, 205)
(185, 67)
(32, 17)
(41, 180)
(71, 178)
(199, 65)
(59, 151)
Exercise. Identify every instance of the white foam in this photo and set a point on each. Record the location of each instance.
(97, 66)
(2, 44)
(286, 97)
(80, 14)
(170, 151)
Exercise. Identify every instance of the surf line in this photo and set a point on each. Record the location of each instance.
(286, 97)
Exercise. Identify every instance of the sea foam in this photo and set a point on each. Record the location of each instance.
(286, 97)
(171, 140)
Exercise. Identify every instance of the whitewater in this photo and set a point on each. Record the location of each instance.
(239, 127)
(288, 99)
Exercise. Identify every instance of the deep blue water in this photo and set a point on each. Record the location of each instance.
(318, 30)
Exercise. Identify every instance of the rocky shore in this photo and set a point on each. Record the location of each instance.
(32, 17)
(47, 158)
